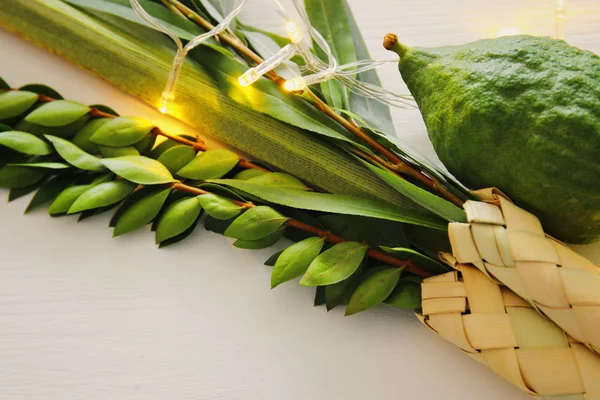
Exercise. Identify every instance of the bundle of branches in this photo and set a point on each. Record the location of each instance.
(368, 219)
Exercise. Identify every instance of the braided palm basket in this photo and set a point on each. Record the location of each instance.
(519, 302)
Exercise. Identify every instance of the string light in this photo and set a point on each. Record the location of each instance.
(321, 71)
(168, 94)
(253, 74)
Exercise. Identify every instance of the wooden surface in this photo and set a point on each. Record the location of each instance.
(83, 316)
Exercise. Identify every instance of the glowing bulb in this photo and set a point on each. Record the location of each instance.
(510, 31)
(253, 74)
(249, 77)
(166, 99)
(293, 31)
(294, 85)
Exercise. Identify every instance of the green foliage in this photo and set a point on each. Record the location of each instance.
(65, 199)
(44, 165)
(219, 207)
(141, 212)
(259, 244)
(373, 289)
(248, 174)
(211, 164)
(429, 263)
(49, 190)
(177, 218)
(332, 203)
(19, 177)
(15, 103)
(57, 113)
(177, 157)
(74, 155)
(433, 203)
(294, 261)
(24, 142)
(114, 152)
(102, 195)
(278, 180)
(122, 131)
(335, 264)
(256, 223)
(139, 169)
(406, 295)
(82, 137)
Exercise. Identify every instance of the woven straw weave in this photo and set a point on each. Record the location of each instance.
(508, 243)
(501, 330)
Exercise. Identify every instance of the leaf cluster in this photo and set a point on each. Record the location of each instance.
(113, 163)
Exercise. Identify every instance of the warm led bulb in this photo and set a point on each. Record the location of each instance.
(293, 31)
(165, 101)
(249, 77)
(294, 85)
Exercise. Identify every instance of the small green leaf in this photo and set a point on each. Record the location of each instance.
(162, 147)
(320, 296)
(16, 102)
(82, 137)
(49, 191)
(340, 293)
(373, 290)
(42, 89)
(256, 223)
(114, 152)
(74, 155)
(146, 144)
(259, 244)
(139, 169)
(248, 174)
(279, 180)
(423, 260)
(405, 295)
(122, 131)
(66, 198)
(177, 157)
(273, 259)
(219, 207)
(17, 193)
(57, 113)
(294, 261)
(44, 165)
(211, 164)
(141, 212)
(102, 195)
(24, 142)
(177, 218)
(335, 265)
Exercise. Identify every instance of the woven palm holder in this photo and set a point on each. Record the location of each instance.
(501, 330)
(508, 243)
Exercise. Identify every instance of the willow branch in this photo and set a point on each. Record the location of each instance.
(399, 166)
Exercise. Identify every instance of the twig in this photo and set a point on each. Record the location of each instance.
(373, 253)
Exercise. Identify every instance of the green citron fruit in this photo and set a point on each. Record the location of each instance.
(520, 113)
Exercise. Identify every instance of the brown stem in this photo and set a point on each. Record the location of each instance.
(373, 253)
(400, 166)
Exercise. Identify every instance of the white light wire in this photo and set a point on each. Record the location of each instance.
(331, 70)
(168, 93)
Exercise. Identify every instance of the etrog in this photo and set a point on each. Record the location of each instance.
(521, 113)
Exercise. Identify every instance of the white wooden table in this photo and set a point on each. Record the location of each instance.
(83, 316)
